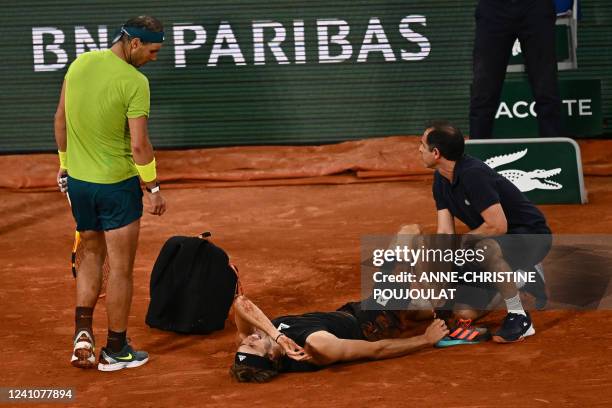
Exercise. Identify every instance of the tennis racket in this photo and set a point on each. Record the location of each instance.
(77, 256)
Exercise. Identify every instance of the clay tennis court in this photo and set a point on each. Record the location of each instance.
(291, 218)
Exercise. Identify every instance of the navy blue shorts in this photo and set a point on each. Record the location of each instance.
(520, 251)
(103, 207)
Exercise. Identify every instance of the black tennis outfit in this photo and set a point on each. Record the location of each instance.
(348, 322)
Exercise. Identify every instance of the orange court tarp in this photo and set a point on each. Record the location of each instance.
(368, 160)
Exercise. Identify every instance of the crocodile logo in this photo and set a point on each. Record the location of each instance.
(525, 180)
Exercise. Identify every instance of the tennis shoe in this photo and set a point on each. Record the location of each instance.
(83, 352)
(515, 327)
(126, 358)
(464, 333)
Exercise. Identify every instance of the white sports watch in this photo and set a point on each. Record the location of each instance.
(154, 189)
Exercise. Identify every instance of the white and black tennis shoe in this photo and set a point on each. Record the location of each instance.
(515, 327)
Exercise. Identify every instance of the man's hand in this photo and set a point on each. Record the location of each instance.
(292, 350)
(157, 203)
(405, 236)
(469, 240)
(62, 180)
(436, 331)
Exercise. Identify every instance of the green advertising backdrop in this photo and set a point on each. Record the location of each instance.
(580, 107)
(548, 171)
(252, 72)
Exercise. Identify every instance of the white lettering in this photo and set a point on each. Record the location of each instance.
(569, 103)
(39, 49)
(404, 294)
(375, 32)
(402, 277)
(298, 39)
(274, 44)
(269, 37)
(516, 111)
(417, 38)
(520, 109)
(337, 39)
(584, 107)
(225, 35)
(180, 46)
(84, 41)
(503, 110)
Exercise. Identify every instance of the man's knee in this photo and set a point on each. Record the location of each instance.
(466, 313)
(408, 235)
(410, 229)
(491, 250)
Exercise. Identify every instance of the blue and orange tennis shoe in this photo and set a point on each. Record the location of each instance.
(464, 333)
(126, 358)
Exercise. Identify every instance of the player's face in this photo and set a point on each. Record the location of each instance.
(428, 157)
(257, 343)
(144, 53)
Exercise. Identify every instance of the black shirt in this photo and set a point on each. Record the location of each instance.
(299, 327)
(476, 187)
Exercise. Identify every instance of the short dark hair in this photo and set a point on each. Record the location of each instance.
(247, 373)
(148, 23)
(447, 138)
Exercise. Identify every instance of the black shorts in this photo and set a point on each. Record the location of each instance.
(379, 324)
(520, 251)
(523, 251)
(104, 207)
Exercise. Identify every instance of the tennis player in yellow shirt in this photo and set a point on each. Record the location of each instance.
(104, 149)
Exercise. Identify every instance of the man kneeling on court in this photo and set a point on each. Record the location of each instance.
(310, 341)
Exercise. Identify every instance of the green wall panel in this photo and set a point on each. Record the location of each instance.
(302, 101)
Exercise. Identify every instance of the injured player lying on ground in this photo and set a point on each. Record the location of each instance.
(311, 341)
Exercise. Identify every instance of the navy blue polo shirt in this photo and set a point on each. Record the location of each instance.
(476, 187)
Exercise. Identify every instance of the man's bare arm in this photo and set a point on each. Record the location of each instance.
(59, 127)
(325, 348)
(142, 150)
(495, 222)
(249, 317)
(446, 222)
(59, 123)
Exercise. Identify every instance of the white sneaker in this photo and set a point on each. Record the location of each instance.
(83, 353)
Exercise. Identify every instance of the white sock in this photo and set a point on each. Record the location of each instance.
(514, 305)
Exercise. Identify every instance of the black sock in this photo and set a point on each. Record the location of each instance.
(116, 340)
(83, 319)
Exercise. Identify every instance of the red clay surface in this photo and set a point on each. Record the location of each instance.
(298, 250)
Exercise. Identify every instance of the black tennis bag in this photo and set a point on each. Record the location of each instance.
(192, 287)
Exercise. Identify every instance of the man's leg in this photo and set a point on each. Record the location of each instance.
(517, 325)
(121, 245)
(537, 36)
(385, 324)
(88, 283)
(492, 47)
(89, 276)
